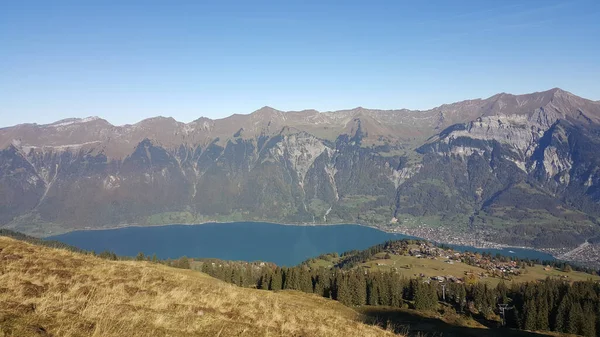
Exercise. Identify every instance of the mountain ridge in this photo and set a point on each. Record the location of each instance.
(552, 92)
(516, 169)
(393, 126)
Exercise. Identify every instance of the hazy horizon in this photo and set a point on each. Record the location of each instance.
(266, 106)
(126, 62)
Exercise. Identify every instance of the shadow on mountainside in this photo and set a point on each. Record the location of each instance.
(412, 323)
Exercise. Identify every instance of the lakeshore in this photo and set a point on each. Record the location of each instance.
(284, 244)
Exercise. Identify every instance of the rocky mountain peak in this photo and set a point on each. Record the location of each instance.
(158, 120)
(73, 121)
(396, 126)
(266, 111)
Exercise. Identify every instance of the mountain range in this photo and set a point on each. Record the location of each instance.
(523, 168)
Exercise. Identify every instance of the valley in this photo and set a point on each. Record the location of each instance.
(508, 170)
(299, 168)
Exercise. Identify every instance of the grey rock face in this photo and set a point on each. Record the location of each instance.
(510, 162)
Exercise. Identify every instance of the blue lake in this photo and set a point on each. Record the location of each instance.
(284, 245)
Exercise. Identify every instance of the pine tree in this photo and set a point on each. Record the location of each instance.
(562, 314)
(575, 319)
(588, 325)
(381, 288)
(182, 263)
(342, 290)
(318, 285)
(358, 287)
(304, 281)
(479, 296)
(372, 291)
(265, 280)
(425, 297)
(291, 279)
(542, 312)
(234, 276)
(461, 296)
(502, 293)
(294, 278)
(489, 299)
(553, 294)
(529, 315)
(395, 289)
(222, 273)
(140, 257)
(322, 283)
(249, 279)
(598, 314)
(276, 280)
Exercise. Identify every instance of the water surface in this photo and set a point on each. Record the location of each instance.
(284, 245)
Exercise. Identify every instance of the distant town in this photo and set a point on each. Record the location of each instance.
(586, 254)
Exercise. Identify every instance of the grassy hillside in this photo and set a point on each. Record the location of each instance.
(54, 292)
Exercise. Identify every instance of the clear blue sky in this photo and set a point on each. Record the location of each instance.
(129, 60)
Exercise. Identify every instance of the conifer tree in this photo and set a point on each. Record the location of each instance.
(562, 314)
(358, 287)
(598, 314)
(529, 315)
(396, 289)
(342, 292)
(291, 279)
(318, 284)
(264, 280)
(575, 319)
(372, 291)
(304, 280)
(425, 297)
(249, 279)
(276, 280)
(235, 276)
(542, 312)
(588, 325)
(322, 283)
(502, 292)
(461, 297)
(376, 278)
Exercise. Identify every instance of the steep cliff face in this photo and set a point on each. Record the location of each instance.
(291, 176)
(517, 163)
(527, 167)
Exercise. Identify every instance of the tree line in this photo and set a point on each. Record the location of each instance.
(549, 305)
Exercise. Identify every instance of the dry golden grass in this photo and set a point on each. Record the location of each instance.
(52, 292)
